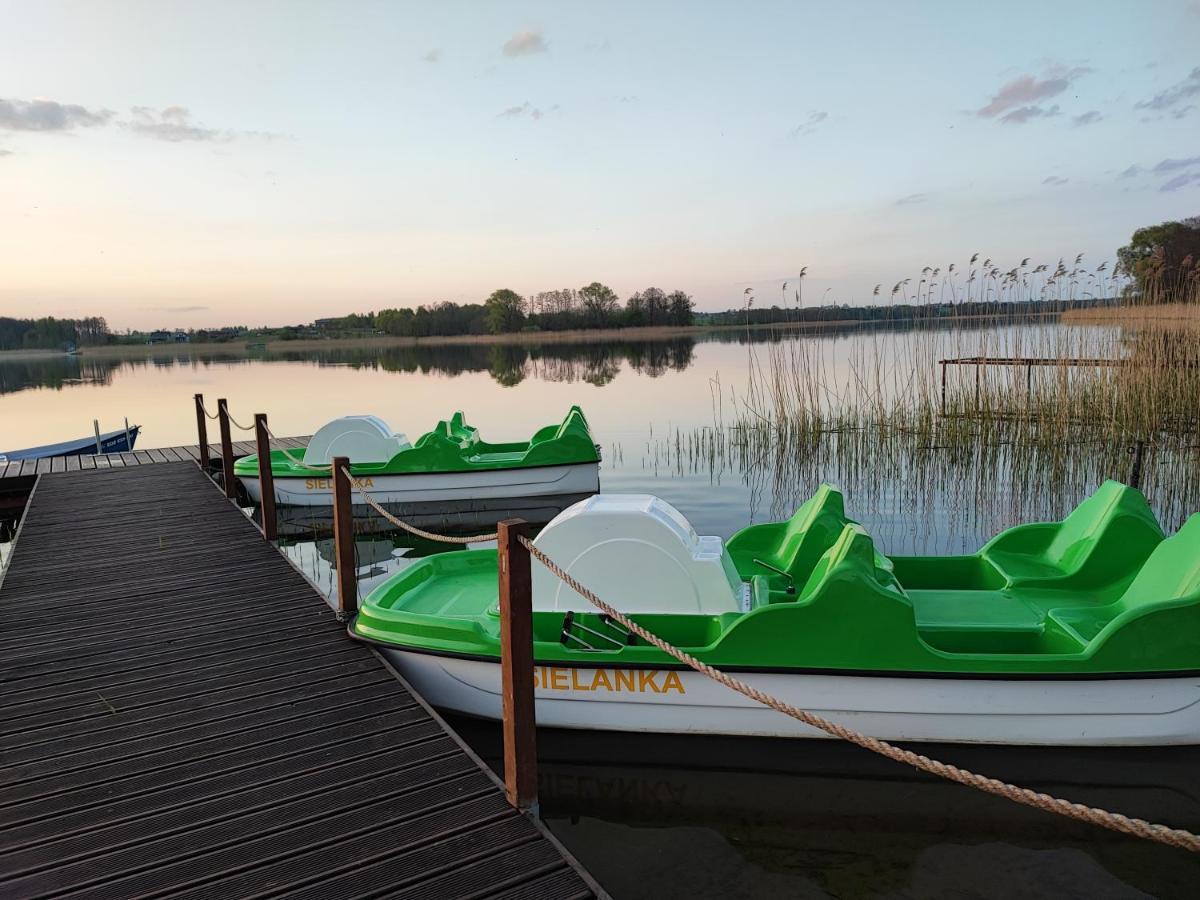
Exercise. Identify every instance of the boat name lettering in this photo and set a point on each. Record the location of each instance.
(326, 484)
(635, 681)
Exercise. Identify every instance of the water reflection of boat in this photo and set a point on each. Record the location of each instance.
(119, 441)
(460, 517)
(448, 469)
(1080, 632)
(759, 816)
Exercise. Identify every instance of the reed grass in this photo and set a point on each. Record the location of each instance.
(1013, 444)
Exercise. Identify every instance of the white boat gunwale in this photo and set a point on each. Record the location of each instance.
(599, 663)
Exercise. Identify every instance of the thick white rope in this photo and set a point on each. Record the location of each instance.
(1174, 837)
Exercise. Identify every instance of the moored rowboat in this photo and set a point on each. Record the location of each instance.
(1080, 632)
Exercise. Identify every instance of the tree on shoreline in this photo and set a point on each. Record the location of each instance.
(1165, 254)
(505, 311)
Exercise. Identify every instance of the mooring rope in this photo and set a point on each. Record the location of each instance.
(413, 529)
(298, 462)
(1174, 837)
(238, 424)
(207, 413)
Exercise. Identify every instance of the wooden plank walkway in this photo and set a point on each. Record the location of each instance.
(181, 714)
(23, 468)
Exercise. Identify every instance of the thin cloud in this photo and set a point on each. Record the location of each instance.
(1132, 172)
(433, 56)
(1056, 180)
(1025, 91)
(526, 110)
(4, 152)
(173, 124)
(1088, 118)
(1023, 114)
(179, 309)
(49, 115)
(525, 43)
(809, 125)
(1180, 181)
(1174, 165)
(913, 199)
(1171, 99)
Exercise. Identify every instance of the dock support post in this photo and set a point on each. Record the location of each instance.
(516, 665)
(226, 450)
(977, 368)
(96, 428)
(202, 432)
(343, 539)
(266, 479)
(943, 388)
(1135, 467)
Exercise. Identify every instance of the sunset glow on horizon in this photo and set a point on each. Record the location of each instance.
(187, 165)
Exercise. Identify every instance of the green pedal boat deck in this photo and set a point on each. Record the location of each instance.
(448, 472)
(1085, 631)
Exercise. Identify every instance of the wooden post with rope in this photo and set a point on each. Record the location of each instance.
(343, 539)
(516, 665)
(202, 432)
(226, 450)
(266, 479)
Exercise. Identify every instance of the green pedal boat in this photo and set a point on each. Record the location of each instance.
(446, 474)
(1080, 632)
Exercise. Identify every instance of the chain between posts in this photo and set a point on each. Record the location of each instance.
(1173, 837)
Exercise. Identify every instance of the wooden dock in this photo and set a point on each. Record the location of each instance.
(52, 465)
(182, 714)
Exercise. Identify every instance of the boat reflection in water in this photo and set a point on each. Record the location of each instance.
(671, 815)
(463, 517)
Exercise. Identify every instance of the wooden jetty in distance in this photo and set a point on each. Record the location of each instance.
(183, 714)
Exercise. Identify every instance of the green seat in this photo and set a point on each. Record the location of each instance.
(1102, 543)
(1171, 575)
(851, 556)
(795, 545)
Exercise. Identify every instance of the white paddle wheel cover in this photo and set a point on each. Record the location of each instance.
(638, 553)
(364, 439)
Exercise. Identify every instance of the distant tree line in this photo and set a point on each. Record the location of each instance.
(900, 312)
(52, 334)
(593, 306)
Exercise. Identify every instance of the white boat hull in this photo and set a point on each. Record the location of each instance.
(1057, 712)
(439, 487)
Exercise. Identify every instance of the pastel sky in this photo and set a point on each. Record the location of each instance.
(188, 164)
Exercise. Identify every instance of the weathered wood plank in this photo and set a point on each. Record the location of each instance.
(193, 721)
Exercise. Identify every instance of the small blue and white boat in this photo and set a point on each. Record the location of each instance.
(118, 441)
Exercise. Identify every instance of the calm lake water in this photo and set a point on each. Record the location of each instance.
(719, 818)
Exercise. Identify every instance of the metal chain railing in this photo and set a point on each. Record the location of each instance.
(1174, 837)
(413, 529)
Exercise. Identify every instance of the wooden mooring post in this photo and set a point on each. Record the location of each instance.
(516, 666)
(343, 539)
(202, 432)
(266, 479)
(1137, 451)
(226, 450)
